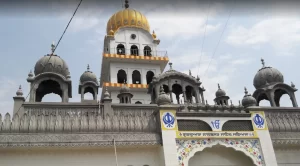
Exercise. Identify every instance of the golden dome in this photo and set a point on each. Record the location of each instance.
(127, 18)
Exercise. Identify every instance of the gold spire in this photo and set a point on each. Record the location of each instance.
(154, 35)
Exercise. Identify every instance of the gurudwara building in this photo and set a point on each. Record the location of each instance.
(146, 117)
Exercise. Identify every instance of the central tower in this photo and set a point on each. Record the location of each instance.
(130, 55)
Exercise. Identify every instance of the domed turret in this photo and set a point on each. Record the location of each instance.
(163, 98)
(88, 84)
(248, 100)
(266, 76)
(221, 98)
(125, 96)
(220, 92)
(51, 63)
(51, 75)
(88, 76)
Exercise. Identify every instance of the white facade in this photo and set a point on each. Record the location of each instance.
(123, 36)
(136, 156)
(129, 68)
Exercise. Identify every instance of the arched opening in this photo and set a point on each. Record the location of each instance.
(149, 76)
(120, 49)
(122, 76)
(136, 77)
(190, 94)
(134, 50)
(166, 88)
(220, 155)
(282, 99)
(52, 97)
(89, 93)
(138, 102)
(48, 87)
(264, 103)
(263, 100)
(147, 51)
(177, 90)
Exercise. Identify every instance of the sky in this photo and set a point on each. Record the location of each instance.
(221, 41)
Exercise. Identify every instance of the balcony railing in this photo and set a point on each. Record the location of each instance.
(136, 52)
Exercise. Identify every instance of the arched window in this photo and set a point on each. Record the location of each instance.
(134, 50)
(120, 49)
(136, 77)
(147, 51)
(149, 76)
(138, 102)
(122, 76)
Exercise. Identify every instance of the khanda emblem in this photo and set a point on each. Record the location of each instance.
(168, 120)
(259, 121)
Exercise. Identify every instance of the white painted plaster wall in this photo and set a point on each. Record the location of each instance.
(288, 157)
(80, 157)
(220, 156)
(130, 67)
(141, 96)
(123, 36)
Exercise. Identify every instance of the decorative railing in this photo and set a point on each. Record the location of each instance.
(75, 124)
(136, 52)
(211, 108)
(38, 109)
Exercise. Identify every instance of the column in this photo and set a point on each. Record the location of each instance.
(170, 90)
(197, 97)
(202, 97)
(184, 96)
(270, 95)
(293, 99)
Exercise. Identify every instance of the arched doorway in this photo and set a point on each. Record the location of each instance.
(219, 152)
(221, 156)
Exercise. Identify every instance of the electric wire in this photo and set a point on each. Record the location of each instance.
(219, 39)
(54, 49)
(208, 11)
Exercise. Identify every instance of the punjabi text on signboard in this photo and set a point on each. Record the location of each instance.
(222, 134)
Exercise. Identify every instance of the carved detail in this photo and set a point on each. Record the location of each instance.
(283, 121)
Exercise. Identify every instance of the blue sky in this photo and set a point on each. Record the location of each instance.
(252, 32)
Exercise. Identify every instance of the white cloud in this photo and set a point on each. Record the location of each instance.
(282, 33)
(83, 23)
(173, 22)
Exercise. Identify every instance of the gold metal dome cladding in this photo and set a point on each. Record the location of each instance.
(127, 18)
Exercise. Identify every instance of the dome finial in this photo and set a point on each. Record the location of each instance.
(171, 65)
(263, 62)
(19, 92)
(293, 85)
(246, 91)
(126, 4)
(219, 86)
(52, 47)
(190, 73)
(88, 67)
